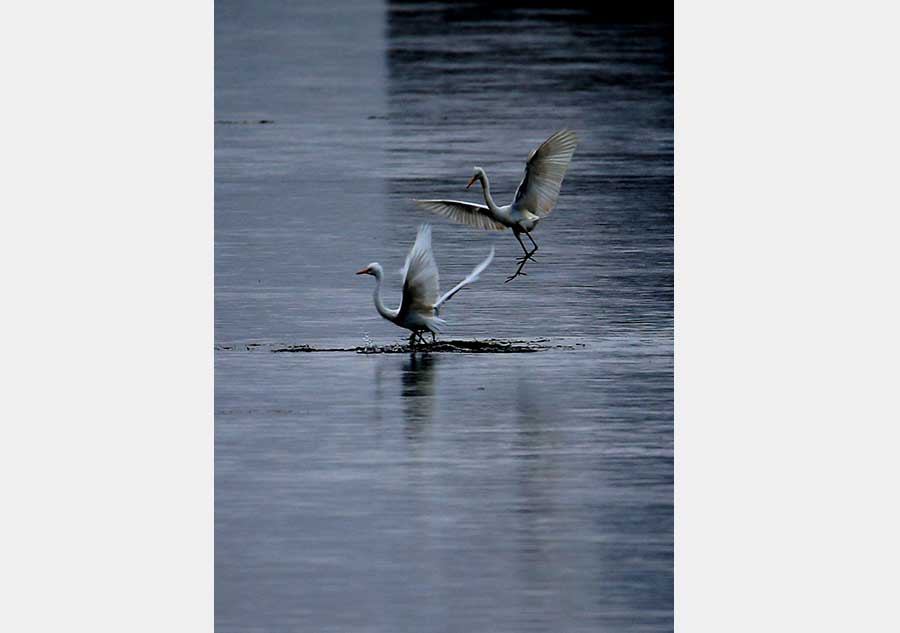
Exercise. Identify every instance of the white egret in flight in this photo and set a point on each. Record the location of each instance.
(421, 300)
(535, 198)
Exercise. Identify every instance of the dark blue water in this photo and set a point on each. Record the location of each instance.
(442, 492)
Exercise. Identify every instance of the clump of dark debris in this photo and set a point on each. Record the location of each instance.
(245, 122)
(307, 348)
(488, 346)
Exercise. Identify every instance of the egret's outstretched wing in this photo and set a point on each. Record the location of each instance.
(544, 171)
(420, 276)
(472, 276)
(476, 215)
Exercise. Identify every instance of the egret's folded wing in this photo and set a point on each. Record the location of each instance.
(544, 172)
(476, 215)
(420, 276)
(472, 276)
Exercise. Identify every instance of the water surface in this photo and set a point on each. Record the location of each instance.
(441, 492)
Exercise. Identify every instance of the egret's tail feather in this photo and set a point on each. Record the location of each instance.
(472, 276)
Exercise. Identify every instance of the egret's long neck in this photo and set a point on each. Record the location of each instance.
(486, 187)
(383, 310)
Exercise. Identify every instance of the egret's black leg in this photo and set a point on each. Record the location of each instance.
(521, 260)
(521, 243)
(533, 242)
(528, 254)
(518, 271)
(433, 338)
(416, 337)
(412, 341)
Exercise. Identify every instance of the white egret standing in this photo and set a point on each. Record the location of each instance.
(535, 198)
(420, 304)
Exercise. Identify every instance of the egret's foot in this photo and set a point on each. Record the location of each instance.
(524, 258)
(514, 275)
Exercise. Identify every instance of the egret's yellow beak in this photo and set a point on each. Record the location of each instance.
(363, 271)
(474, 178)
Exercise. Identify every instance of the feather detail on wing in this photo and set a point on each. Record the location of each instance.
(420, 276)
(477, 215)
(472, 276)
(544, 172)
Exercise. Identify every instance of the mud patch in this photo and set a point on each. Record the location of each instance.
(307, 348)
(245, 122)
(488, 346)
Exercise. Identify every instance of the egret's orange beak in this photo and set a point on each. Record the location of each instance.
(474, 178)
(363, 271)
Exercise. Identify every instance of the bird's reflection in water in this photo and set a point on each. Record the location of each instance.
(379, 392)
(534, 440)
(535, 470)
(418, 392)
